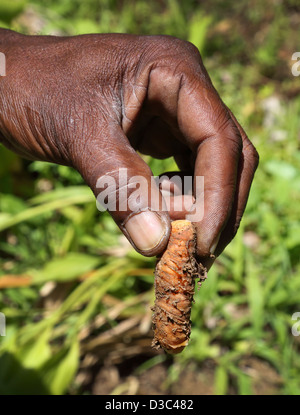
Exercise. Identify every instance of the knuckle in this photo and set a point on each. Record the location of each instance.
(178, 44)
(186, 47)
(177, 52)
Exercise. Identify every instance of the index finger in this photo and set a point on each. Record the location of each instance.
(183, 95)
(211, 133)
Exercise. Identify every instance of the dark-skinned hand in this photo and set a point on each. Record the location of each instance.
(93, 101)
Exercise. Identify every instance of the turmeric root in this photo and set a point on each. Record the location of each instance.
(175, 275)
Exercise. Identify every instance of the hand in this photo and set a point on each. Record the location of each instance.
(91, 101)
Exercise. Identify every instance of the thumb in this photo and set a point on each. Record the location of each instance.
(124, 185)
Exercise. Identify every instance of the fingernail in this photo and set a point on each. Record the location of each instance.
(146, 230)
(214, 244)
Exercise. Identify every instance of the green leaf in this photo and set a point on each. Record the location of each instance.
(221, 381)
(198, 29)
(34, 354)
(255, 297)
(32, 212)
(18, 380)
(60, 370)
(281, 169)
(63, 194)
(67, 268)
(244, 384)
(10, 9)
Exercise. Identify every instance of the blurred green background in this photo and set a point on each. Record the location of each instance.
(77, 297)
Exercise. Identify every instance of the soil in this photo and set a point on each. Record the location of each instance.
(124, 378)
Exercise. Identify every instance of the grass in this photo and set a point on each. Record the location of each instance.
(71, 287)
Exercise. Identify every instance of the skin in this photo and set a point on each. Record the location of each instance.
(92, 101)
